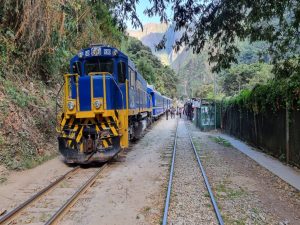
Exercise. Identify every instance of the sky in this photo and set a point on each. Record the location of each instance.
(140, 8)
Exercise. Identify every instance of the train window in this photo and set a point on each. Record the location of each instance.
(76, 68)
(121, 72)
(132, 77)
(138, 84)
(99, 65)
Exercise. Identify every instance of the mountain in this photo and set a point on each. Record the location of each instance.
(152, 34)
(193, 70)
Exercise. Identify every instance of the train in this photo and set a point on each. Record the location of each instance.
(106, 103)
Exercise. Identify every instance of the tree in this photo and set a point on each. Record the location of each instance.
(244, 76)
(220, 23)
(162, 77)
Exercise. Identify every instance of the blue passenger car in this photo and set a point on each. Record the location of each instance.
(160, 103)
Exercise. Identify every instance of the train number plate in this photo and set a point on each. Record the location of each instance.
(107, 52)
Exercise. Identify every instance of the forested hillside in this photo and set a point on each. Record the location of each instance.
(194, 71)
(161, 76)
(37, 40)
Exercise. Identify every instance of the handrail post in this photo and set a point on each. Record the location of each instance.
(104, 92)
(92, 91)
(66, 92)
(77, 94)
(127, 94)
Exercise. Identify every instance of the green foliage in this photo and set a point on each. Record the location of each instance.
(204, 91)
(30, 48)
(275, 95)
(19, 97)
(23, 155)
(244, 76)
(219, 24)
(221, 141)
(162, 77)
(225, 191)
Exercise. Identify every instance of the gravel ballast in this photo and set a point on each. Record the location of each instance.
(246, 192)
(190, 202)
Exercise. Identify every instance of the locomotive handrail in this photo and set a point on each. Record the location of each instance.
(65, 95)
(56, 101)
(104, 94)
(57, 95)
(66, 76)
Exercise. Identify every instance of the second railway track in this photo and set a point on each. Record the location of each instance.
(50, 204)
(189, 197)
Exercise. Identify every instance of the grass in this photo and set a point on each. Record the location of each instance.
(224, 191)
(3, 179)
(22, 155)
(45, 217)
(196, 143)
(64, 184)
(221, 141)
(146, 209)
(239, 221)
(18, 96)
(4, 107)
(1, 139)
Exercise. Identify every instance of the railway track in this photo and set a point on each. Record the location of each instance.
(49, 205)
(188, 187)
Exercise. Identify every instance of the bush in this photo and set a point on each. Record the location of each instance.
(276, 94)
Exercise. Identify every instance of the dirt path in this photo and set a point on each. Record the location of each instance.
(246, 192)
(133, 190)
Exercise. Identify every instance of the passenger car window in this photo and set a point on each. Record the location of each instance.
(121, 72)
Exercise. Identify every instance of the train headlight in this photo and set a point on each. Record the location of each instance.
(80, 54)
(87, 53)
(97, 104)
(71, 105)
(95, 51)
(115, 52)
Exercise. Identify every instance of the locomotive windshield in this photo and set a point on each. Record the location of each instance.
(99, 65)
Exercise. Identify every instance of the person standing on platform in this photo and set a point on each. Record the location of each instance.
(180, 111)
(167, 113)
(173, 112)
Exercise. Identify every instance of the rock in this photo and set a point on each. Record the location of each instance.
(31, 86)
(25, 90)
(262, 217)
(285, 222)
(40, 151)
(222, 194)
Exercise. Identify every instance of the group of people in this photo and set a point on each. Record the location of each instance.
(172, 111)
(187, 110)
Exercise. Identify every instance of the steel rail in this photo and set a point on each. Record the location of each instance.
(10, 215)
(211, 195)
(71, 201)
(167, 203)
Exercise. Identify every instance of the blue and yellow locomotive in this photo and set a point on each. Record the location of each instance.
(106, 103)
